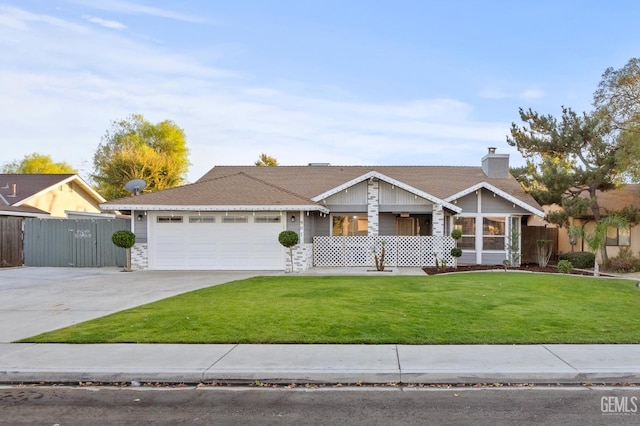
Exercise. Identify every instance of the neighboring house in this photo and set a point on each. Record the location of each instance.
(609, 201)
(40, 196)
(231, 217)
(47, 195)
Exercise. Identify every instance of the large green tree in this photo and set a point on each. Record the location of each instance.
(618, 100)
(37, 163)
(569, 159)
(136, 149)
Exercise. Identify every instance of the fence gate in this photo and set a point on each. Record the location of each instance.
(10, 241)
(73, 242)
(530, 237)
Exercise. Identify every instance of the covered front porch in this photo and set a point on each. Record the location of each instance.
(400, 250)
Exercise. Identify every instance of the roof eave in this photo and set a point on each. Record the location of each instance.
(224, 208)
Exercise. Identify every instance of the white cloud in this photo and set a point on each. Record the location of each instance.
(137, 9)
(115, 25)
(526, 94)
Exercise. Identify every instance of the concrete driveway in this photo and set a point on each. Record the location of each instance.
(34, 300)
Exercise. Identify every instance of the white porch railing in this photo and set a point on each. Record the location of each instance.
(400, 250)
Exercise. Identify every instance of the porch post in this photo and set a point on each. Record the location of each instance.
(373, 207)
(438, 221)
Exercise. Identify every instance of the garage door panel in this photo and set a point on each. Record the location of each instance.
(217, 245)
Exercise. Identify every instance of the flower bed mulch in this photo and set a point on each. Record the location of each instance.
(530, 267)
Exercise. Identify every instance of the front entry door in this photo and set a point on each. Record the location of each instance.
(405, 226)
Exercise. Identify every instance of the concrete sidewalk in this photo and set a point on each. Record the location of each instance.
(326, 364)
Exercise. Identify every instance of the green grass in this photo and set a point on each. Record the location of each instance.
(446, 309)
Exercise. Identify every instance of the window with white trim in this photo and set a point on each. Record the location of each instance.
(466, 225)
(493, 233)
(349, 225)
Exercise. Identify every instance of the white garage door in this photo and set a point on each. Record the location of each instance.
(238, 241)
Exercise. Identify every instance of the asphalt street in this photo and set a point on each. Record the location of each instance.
(582, 406)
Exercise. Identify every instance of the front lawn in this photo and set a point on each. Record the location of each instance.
(476, 308)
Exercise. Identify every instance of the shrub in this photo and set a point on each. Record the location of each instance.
(456, 252)
(288, 239)
(579, 259)
(564, 266)
(624, 261)
(456, 234)
(126, 240)
(123, 238)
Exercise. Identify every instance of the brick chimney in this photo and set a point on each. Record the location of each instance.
(495, 165)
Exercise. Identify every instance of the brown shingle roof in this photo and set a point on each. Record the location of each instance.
(233, 189)
(616, 199)
(297, 185)
(27, 185)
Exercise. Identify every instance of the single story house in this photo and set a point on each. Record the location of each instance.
(232, 216)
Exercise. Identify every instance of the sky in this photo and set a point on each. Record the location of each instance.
(345, 82)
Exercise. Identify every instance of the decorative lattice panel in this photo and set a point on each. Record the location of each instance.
(415, 251)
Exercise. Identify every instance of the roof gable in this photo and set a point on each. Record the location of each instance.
(518, 202)
(380, 176)
(18, 189)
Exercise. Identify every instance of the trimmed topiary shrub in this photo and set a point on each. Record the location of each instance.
(288, 239)
(579, 259)
(126, 240)
(456, 252)
(564, 266)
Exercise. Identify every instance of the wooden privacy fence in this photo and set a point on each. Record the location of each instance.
(530, 237)
(73, 242)
(10, 241)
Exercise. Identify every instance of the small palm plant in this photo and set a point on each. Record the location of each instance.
(597, 239)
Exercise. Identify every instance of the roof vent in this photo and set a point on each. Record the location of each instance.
(319, 164)
(15, 193)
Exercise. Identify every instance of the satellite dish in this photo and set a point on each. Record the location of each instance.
(135, 185)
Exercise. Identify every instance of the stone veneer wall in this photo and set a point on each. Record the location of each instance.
(302, 258)
(438, 221)
(373, 207)
(140, 257)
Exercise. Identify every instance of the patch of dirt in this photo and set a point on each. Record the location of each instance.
(530, 267)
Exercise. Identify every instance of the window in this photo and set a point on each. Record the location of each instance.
(493, 232)
(169, 219)
(467, 225)
(275, 218)
(202, 219)
(618, 237)
(349, 225)
(235, 219)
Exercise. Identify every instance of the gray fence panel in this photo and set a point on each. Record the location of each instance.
(73, 242)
